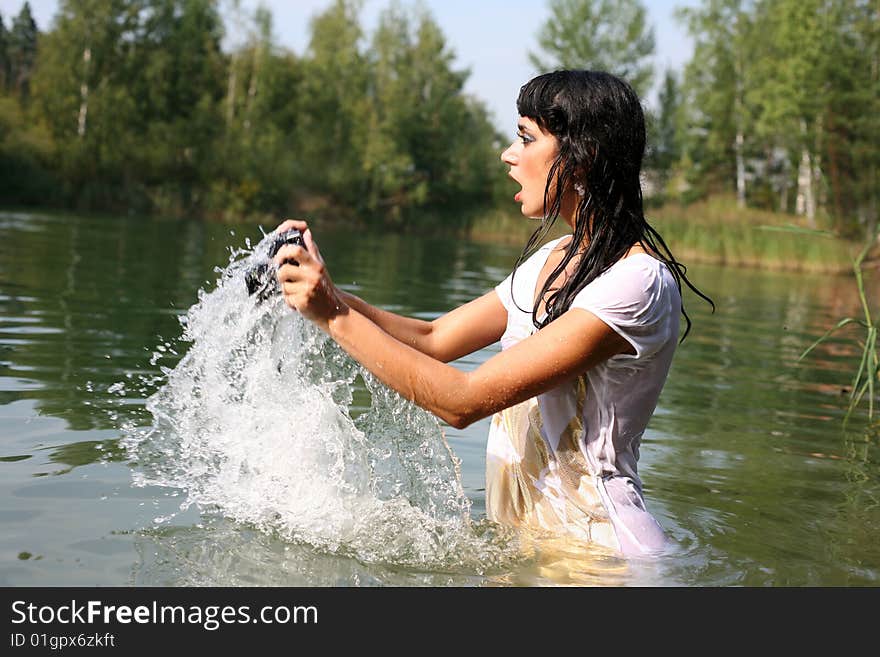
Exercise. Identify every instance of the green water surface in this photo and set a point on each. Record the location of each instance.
(745, 463)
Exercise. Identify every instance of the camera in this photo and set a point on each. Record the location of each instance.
(260, 279)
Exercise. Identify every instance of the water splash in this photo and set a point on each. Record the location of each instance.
(257, 422)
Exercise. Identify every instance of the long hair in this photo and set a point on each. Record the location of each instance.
(598, 121)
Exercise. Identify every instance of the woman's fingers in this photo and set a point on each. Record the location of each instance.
(312, 246)
(306, 286)
(291, 223)
(300, 280)
(293, 252)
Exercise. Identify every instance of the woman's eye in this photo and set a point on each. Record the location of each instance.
(524, 138)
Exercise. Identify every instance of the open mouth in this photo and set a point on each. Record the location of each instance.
(517, 195)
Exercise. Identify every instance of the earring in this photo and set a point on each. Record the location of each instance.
(580, 189)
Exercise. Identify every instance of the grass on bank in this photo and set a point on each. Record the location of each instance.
(717, 231)
(713, 231)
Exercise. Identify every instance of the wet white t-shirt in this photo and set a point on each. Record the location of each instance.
(639, 299)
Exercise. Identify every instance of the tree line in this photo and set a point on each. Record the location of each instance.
(133, 105)
(778, 107)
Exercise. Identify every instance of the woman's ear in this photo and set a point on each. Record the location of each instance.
(580, 176)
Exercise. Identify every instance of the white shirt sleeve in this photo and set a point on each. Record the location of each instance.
(503, 291)
(633, 299)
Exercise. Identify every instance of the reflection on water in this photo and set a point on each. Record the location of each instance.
(745, 463)
(220, 552)
(224, 553)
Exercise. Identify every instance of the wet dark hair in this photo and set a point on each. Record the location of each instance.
(598, 121)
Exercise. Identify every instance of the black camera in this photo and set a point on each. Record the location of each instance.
(260, 279)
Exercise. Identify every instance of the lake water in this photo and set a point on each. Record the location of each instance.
(117, 471)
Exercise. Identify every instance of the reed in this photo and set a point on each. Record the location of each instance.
(869, 366)
(508, 226)
(716, 231)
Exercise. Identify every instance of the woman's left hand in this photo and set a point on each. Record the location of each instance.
(307, 287)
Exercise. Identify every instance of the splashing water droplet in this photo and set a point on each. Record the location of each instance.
(256, 422)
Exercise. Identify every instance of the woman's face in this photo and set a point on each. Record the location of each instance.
(530, 157)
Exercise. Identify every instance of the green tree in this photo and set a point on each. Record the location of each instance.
(247, 59)
(136, 107)
(262, 167)
(4, 56)
(607, 35)
(388, 163)
(83, 56)
(130, 89)
(415, 93)
(843, 118)
(427, 145)
(26, 148)
(664, 147)
(715, 87)
(784, 94)
(333, 102)
(80, 88)
(815, 98)
(791, 79)
(862, 98)
(22, 50)
(26, 157)
(179, 71)
(272, 163)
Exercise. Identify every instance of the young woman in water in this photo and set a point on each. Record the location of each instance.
(588, 324)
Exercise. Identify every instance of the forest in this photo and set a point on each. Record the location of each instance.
(134, 106)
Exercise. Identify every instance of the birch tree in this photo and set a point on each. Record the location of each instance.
(792, 88)
(716, 88)
(606, 35)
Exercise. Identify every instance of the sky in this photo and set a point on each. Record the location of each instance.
(492, 38)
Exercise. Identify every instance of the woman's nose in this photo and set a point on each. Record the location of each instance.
(508, 156)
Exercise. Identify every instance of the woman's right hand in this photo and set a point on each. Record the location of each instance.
(304, 280)
(287, 224)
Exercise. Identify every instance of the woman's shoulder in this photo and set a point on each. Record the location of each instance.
(639, 298)
(634, 283)
(553, 244)
(521, 281)
(539, 256)
(642, 267)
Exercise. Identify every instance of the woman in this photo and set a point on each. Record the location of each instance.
(588, 324)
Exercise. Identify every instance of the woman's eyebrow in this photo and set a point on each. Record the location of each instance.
(522, 128)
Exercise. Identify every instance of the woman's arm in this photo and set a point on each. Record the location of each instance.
(567, 347)
(459, 332)
(462, 331)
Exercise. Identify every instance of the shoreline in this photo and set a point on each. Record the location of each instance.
(708, 232)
